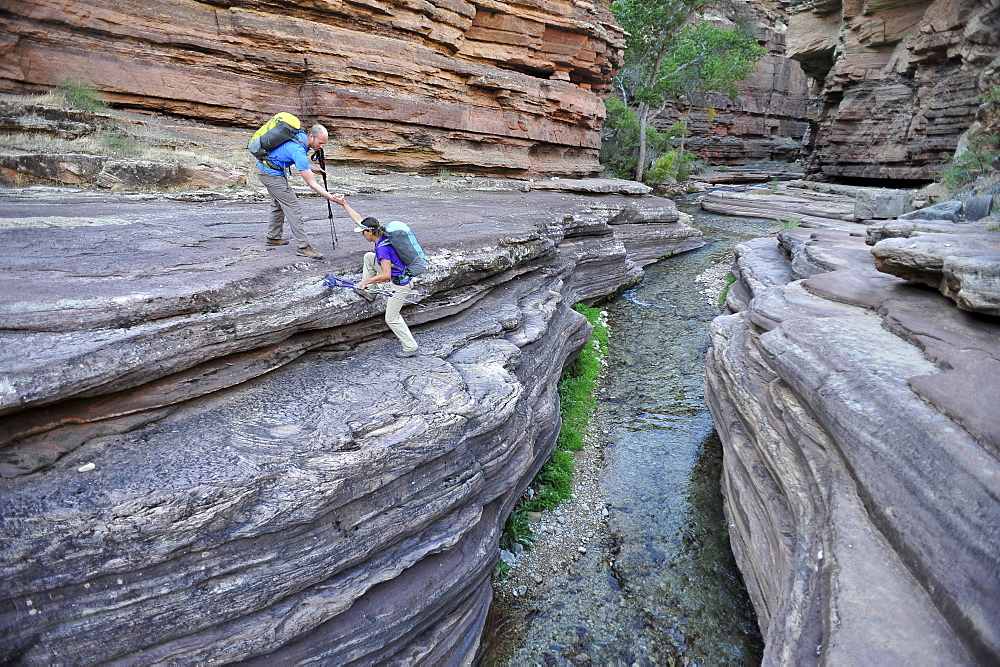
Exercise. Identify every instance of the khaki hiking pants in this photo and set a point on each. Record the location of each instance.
(393, 305)
(284, 206)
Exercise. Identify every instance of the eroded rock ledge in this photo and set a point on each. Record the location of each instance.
(268, 482)
(858, 415)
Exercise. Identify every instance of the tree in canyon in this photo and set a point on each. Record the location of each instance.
(672, 59)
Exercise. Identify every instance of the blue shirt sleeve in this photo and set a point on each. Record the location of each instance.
(299, 155)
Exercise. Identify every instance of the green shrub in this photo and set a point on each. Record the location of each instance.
(620, 139)
(730, 279)
(675, 163)
(518, 531)
(554, 483)
(577, 386)
(973, 162)
(80, 94)
(981, 150)
(118, 142)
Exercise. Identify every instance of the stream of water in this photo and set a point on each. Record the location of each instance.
(662, 586)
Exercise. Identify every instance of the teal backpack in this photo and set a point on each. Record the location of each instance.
(405, 243)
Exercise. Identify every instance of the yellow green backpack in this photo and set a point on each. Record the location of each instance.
(281, 128)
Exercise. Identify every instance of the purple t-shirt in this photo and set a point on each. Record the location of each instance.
(384, 250)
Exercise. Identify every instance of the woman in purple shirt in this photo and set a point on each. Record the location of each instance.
(381, 266)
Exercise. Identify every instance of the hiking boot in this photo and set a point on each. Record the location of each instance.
(270, 241)
(364, 295)
(308, 252)
(403, 354)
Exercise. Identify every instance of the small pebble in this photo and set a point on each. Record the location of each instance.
(87, 467)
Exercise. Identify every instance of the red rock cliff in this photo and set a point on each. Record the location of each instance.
(896, 82)
(506, 88)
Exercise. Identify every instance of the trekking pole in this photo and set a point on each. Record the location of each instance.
(334, 281)
(319, 155)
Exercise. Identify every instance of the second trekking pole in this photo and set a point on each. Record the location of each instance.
(319, 155)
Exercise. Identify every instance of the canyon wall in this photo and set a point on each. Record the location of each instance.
(857, 409)
(505, 88)
(896, 83)
(206, 455)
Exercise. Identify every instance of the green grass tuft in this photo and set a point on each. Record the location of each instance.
(80, 94)
(730, 279)
(791, 223)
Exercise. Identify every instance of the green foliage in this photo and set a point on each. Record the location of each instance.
(518, 531)
(578, 384)
(117, 142)
(973, 162)
(707, 59)
(793, 221)
(80, 94)
(730, 279)
(676, 163)
(993, 228)
(621, 139)
(669, 61)
(554, 483)
(982, 148)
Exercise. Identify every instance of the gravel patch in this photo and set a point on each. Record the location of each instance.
(562, 534)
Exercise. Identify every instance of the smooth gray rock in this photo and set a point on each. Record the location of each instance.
(593, 186)
(262, 480)
(977, 208)
(960, 261)
(948, 210)
(881, 203)
(805, 209)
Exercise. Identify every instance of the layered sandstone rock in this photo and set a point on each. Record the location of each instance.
(858, 413)
(897, 83)
(506, 88)
(960, 261)
(208, 456)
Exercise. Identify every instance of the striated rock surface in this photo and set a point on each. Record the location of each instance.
(858, 416)
(206, 455)
(896, 83)
(505, 88)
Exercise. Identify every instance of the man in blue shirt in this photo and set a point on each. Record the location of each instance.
(383, 265)
(284, 204)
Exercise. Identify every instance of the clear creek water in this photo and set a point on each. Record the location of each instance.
(660, 585)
